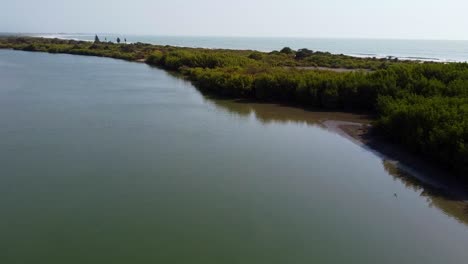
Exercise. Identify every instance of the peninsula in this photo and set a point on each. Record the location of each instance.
(422, 106)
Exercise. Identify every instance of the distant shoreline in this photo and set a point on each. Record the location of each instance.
(360, 54)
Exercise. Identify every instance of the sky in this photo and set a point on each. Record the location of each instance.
(397, 19)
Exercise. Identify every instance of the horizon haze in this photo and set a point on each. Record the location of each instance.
(297, 18)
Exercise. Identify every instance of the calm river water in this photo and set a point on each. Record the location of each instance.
(106, 161)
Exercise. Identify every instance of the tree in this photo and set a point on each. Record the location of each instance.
(287, 50)
(118, 40)
(125, 40)
(303, 53)
(96, 39)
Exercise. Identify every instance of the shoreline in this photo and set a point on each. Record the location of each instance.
(356, 127)
(399, 163)
(436, 178)
(278, 77)
(355, 55)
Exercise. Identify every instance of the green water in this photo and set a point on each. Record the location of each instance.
(105, 161)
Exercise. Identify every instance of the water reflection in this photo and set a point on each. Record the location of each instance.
(278, 113)
(453, 202)
(446, 195)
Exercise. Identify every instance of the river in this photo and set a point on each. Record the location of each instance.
(107, 161)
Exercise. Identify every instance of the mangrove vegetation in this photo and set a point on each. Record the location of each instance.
(422, 106)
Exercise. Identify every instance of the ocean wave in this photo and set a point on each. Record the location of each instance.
(64, 37)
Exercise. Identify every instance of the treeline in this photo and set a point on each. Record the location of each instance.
(136, 51)
(175, 59)
(435, 126)
(422, 106)
(130, 52)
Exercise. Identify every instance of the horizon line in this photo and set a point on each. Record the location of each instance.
(228, 36)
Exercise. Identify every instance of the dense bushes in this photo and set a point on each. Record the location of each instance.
(423, 106)
(199, 57)
(436, 127)
(176, 59)
(332, 90)
(102, 49)
(223, 82)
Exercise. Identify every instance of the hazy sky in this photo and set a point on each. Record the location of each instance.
(427, 19)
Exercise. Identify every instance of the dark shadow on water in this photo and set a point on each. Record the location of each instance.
(435, 179)
(267, 112)
(452, 202)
